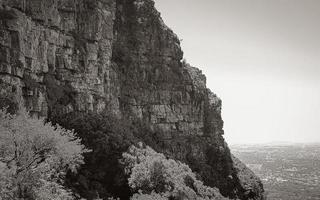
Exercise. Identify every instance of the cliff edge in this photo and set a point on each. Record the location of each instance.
(117, 56)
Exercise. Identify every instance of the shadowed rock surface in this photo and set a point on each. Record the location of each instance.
(117, 56)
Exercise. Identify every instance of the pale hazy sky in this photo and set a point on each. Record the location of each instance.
(261, 57)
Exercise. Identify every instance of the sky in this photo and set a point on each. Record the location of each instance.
(261, 57)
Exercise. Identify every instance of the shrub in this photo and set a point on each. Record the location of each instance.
(34, 157)
(108, 137)
(152, 175)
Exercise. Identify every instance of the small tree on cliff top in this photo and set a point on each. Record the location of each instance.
(34, 157)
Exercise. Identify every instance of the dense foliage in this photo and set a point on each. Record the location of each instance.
(34, 157)
(102, 175)
(153, 176)
(38, 160)
(108, 136)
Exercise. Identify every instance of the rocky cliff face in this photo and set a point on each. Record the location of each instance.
(117, 56)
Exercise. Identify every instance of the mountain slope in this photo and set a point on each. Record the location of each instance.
(117, 56)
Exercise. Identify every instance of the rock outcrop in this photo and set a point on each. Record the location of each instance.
(117, 56)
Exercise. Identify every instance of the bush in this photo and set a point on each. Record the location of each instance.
(35, 156)
(153, 176)
(108, 137)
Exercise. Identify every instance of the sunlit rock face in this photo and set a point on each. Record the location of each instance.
(117, 56)
(56, 55)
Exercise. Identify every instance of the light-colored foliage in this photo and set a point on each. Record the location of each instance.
(152, 196)
(34, 157)
(153, 176)
(51, 190)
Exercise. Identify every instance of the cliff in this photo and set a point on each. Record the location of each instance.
(117, 56)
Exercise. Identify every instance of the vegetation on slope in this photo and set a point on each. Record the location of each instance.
(39, 160)
(35, 156)
(153, 176)
(108, 136)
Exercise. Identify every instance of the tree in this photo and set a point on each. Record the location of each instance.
(108, 136)
(153, 176)
(35, 156)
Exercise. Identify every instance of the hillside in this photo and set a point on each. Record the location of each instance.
(118, 57)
